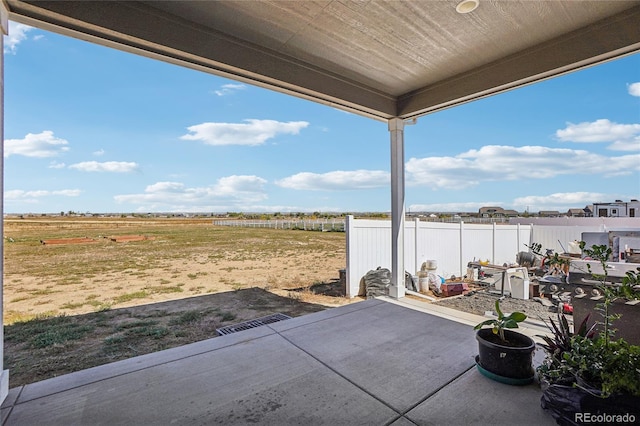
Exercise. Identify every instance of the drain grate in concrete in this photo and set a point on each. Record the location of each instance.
(252, 324)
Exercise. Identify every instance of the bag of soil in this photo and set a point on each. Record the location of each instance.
(569, 405)
(377, 282)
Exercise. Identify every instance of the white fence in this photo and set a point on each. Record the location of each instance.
(451, 245)
(556, 233)
(455, 245)
(324, 225)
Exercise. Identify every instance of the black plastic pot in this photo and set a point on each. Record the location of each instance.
(507, 364)
(564, 402)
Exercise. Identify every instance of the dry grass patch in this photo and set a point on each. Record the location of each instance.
(101, 302)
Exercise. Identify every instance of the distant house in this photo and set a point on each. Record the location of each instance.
(576, 213)
(618, 208)
(496, 212)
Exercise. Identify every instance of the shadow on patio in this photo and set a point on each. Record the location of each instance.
(377, 362)
(47, 347)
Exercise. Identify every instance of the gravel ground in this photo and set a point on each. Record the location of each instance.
(480, 302)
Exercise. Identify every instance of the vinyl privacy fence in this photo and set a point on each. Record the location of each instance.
(451, 245)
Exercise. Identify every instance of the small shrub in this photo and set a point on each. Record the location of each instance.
(131, 296)
(227, 316)
(71, 305)
(187, 317)
(43, 332)
(164, 290)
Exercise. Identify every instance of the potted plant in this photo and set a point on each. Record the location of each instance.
(505, 355)
(584, 374)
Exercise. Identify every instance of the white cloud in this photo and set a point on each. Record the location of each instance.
(561, 198)
(240, 186)
(634, 89)
(67, 192)
(622, 137)
(500, 163)
(108, 166)
(56, 165)
(227, 89)
(231, 192)
(337, 180)
(17, 34)
(39, 145)
(560, 201)
(160, 187)
(252, 132)
(30, 196)
(452, 207)
(99, 153)
(257, 208)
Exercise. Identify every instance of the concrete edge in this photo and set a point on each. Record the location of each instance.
(58, 384)
(126, 366)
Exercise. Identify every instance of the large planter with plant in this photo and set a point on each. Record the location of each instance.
(588, 375)
(505, 355)
(621, 295)
(585, 374)
(623, 300)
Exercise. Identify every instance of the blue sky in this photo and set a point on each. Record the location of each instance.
(93, 129)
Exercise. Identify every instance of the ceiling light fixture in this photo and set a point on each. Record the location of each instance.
(466, 6)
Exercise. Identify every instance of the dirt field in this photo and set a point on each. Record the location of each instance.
(72, 306)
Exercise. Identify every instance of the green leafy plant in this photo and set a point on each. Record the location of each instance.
(503, 321)
(601, 254)
(554, 368)
(600, 365)
(630, 287)
(560, 340)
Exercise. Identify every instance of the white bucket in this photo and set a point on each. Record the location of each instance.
(423, 283)
(472, 274)
(574, 247)
(431, 265)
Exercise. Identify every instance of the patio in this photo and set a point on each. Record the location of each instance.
(376, 362)
(372, 362)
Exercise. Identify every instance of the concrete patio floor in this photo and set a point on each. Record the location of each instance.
(376, 362)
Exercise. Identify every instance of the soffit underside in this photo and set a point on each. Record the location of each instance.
(377, 58)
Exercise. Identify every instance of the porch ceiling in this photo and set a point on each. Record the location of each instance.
(381, 59)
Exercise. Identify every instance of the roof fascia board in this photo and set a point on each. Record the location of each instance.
(604, 40)
(127, 26)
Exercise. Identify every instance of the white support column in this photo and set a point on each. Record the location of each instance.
(416, 242)
(462, 265)
(396, 128)
(4, 374)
